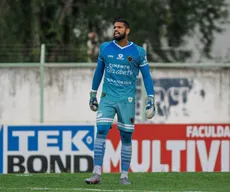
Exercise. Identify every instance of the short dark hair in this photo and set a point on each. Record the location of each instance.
(126, 23)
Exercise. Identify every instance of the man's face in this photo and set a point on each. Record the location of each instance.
(120, 31)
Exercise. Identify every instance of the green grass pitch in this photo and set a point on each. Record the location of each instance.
(155, 182)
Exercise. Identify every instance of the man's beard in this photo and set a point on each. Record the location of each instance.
(119, 38)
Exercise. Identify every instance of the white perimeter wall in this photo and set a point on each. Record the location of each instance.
(201, 96)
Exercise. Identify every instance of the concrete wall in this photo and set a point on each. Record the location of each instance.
(182, 95)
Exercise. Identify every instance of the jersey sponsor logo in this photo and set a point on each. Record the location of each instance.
(120, 57)
(118, 82)
(144, 62)
(110, 56)
(46, 149)
(119, 69)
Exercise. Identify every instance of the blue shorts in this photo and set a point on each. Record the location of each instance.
(124, 109)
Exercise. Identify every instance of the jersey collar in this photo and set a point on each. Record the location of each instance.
(130, 43)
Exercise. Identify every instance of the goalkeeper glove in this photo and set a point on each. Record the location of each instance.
(93, 104)
(150, 107)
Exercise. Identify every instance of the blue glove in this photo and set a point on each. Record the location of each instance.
(93, 104)
(150, 107)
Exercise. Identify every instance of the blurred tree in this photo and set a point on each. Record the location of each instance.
(165, 25)
(64, 25)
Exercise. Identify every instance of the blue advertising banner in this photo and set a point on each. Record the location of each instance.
(46, 148)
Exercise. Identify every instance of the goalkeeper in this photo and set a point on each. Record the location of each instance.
(120, 61)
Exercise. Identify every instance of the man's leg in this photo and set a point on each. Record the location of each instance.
(99, 151)
(105, 115)
(126, 155)
(99, 147)
(126, 112)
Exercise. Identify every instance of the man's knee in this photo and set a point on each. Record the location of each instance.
(103, 129)
(126, 137)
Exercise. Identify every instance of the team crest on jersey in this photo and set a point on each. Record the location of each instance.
(130, 58)
(103, 94)
(131, 119)
(130, 99)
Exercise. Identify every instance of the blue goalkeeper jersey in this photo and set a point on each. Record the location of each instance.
(121, 68)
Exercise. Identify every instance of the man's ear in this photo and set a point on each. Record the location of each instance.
(127, 31)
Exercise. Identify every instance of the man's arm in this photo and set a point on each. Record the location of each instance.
(148, 82)
(98, 74)
(149, 87)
